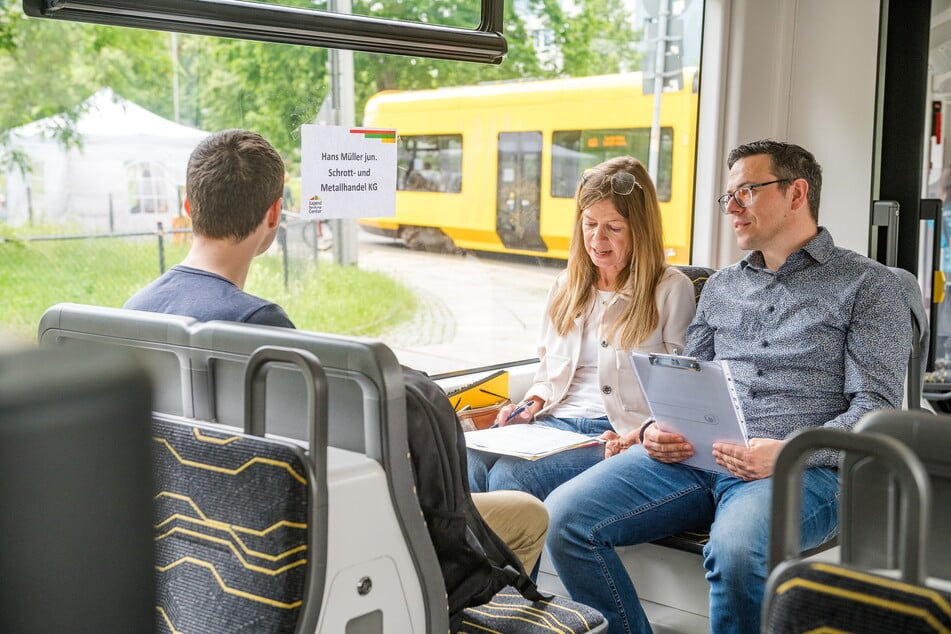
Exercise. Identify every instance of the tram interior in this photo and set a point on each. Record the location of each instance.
(767, 73)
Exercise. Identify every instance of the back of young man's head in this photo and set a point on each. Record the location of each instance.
(233, 177)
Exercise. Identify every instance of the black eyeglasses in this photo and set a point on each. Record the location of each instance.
(744, 195)
(622, 183)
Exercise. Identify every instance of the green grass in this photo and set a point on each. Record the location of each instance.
(34, 275)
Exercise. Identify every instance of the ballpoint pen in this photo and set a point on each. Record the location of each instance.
(518, 410)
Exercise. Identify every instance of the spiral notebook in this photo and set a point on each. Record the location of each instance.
(696, 399)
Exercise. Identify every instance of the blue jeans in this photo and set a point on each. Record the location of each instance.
(632, 499)
(494, 472)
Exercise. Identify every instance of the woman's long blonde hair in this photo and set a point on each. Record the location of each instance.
(642, 211)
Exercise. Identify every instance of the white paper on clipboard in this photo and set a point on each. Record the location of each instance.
(696, 399)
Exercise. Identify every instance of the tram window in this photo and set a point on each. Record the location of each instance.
(515, 235)
(574, 151)
(430, 163)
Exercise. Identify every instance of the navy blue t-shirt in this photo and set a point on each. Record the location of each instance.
(205, 296)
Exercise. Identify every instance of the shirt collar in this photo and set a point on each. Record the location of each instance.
(820, 249)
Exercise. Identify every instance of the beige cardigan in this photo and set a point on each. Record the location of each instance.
(623, 401)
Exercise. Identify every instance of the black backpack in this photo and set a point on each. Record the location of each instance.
(475, 562)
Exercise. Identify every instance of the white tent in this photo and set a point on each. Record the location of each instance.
(128, 175)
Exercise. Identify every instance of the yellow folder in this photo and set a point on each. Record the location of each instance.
(488, 390)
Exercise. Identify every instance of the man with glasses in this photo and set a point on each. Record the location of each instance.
(815, 335)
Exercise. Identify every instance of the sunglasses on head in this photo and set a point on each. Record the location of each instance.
(622, 183)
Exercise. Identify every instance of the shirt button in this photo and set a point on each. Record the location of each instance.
(771, 309)
(606, 389)
(604, 344)
(759, 373)
(765, 344)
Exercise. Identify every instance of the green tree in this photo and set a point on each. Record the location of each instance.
(269, 88)
(596, 38)
(50, 67)
(386, 72)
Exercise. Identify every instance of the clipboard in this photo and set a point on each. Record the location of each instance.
(696, 399)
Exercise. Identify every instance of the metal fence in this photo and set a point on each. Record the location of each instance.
(299, 241)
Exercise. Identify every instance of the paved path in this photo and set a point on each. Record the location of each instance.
(473, 310)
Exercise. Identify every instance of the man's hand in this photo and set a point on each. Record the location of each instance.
(748, 463)
(665, 446)
(616, 444)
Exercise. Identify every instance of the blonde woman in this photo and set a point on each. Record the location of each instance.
(617, 295)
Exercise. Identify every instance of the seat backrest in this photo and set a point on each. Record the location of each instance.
(698, 275)
(75, 481)
(871, 535)
(921, 334)
(852, 595)
(232, 525)
(366, 402)
(241, 520)
(198, 369)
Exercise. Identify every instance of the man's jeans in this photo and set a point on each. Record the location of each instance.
(632, 499)
(494, 472)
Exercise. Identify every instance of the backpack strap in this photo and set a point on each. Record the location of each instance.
(526, 587)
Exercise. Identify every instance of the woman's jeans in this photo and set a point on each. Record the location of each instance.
(494, 472)
(632, 499)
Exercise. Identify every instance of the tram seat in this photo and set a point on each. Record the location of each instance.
(376, 535)
(921, 334)
(873, 501)
(382, 573)
(240, 519)
(885, 591)
(698, 275)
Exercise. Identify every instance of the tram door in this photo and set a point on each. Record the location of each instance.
(518, 206)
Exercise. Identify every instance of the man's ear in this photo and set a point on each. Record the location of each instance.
(273, 217)
(800, 188)
(188, 208)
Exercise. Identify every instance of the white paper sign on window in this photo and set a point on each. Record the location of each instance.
(347, 172)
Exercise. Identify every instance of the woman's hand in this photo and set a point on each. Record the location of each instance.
(615, 443)
(525, 416)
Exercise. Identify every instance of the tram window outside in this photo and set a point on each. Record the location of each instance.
(574, 151)
(472, 288)
(430, 163)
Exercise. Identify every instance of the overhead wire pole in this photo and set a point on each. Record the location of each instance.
(342, 106)
(653, 163)
(175, 96)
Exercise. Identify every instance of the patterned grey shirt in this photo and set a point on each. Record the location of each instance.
(820, 341)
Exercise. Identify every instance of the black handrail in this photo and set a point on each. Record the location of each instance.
(291, 25)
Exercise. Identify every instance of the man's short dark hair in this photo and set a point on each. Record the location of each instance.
(788, 161)
(234, 176)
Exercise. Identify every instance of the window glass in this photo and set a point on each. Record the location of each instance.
(488, 159)
(574, 151)
(430, 163)
(461, 13)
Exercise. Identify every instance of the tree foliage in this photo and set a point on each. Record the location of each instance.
(596, 37)
(49, 67)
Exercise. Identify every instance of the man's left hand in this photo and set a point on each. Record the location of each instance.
(748, 463)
